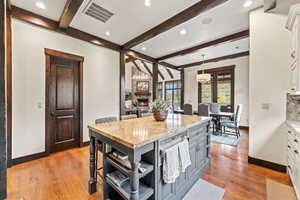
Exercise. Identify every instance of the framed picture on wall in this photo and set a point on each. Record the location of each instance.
(142, 86)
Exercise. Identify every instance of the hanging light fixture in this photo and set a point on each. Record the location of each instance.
(204, 77)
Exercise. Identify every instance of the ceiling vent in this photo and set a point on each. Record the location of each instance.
(97, 12)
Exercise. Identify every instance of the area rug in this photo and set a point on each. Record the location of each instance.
(279, 191)
(226, 139)
(204, 190)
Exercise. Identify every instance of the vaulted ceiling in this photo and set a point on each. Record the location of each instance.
(132, 18)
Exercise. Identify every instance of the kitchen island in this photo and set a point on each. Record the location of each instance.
(143, 140)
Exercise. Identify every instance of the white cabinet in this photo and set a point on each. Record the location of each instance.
(293, 24)
(293, 159)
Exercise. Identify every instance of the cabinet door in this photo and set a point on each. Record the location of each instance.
(166, 191)
(296, 176)
(193, 168)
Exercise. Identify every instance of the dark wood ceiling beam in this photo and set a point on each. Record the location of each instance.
(170, 73)
(129, 59)
(69, 12)
(235, 36)
(180, 18)
(165, 64)
(147, 68)
(140, 56)
(161, 75)
(44, 22)
(137, 66)
(237, 55)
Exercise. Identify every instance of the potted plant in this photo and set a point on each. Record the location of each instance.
(160, 110)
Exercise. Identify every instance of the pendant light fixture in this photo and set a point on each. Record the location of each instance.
(204, 77)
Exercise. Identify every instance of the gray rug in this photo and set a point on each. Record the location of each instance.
(204, 190)
(226, 139)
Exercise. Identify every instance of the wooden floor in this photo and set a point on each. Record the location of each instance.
(64, 175)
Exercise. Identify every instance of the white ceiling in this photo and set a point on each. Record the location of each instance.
(131, 17)
(53, 9)
(228, 18)
(223, 49)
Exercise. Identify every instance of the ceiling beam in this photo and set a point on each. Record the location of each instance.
(129, 59)
(170, 73)
(140, 56)
(161, 75)
(70, 9)
(165, 64)
(146, 67)
(235, 36)
(137, 66)
(232, 56)
(44, 22)
(185, 15)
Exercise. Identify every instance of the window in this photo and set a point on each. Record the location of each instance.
(159, 90)
(173, 93)
(220, 89)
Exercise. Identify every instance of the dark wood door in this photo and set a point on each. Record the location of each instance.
(64, 104)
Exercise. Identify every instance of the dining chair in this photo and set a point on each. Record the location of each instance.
(215, 107)
(235, 124)
(99, 144)
(188, 109)
(203, 110)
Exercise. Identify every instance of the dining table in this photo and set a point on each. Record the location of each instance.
(217, 115)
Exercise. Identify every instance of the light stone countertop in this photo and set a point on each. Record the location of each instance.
(137, 132)
(295, 125)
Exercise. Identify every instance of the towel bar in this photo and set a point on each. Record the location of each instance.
(173, 143)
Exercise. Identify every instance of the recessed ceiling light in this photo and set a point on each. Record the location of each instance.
(148, 3)
(107, 33)
(207, 20)
(144, 48)
(247, 3)
(40, 5)
(182, 32)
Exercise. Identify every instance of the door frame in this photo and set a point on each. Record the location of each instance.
(214, 71)
(80, 59)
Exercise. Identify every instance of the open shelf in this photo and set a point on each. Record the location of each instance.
(144, 191)
(149, 168)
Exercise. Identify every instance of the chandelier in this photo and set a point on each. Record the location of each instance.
(204, 77)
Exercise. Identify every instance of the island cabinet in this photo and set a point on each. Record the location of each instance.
(199, 141)
(142, 142)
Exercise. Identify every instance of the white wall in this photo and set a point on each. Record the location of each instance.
(269, 49)
(241, 84)
(100, 86)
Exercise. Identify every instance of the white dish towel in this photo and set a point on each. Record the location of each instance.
(171, 166)
(184, 155)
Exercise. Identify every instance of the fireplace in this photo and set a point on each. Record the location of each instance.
(143, 102)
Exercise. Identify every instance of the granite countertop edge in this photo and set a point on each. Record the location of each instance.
(295, 125)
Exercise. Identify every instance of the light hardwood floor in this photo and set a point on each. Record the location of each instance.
(64, 175)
